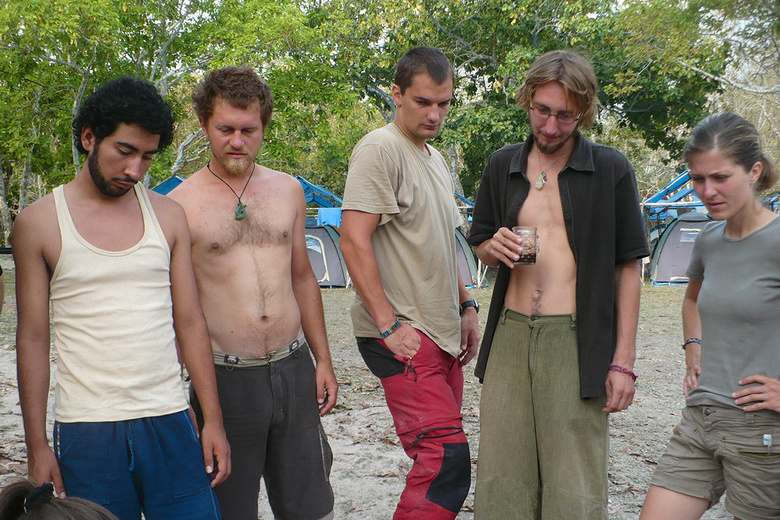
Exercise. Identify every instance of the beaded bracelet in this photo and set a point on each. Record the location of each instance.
(623, 370)
(689, 341)
(393, 328)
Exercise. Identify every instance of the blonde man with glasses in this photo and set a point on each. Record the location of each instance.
(559, 346)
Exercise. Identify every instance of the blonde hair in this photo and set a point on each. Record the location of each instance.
(571, 70)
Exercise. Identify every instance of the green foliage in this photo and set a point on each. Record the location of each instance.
(331, 65)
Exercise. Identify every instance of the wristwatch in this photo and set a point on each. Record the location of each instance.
(469, 303)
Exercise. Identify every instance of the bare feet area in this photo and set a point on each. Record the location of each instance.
(369, 464)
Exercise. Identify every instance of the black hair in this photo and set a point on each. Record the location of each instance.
(127, 100)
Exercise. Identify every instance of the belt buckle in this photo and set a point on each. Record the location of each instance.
(231, 361)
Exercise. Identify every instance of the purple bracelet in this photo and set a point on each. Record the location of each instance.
(623, 370)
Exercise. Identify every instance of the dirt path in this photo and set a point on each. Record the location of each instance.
(369, 464)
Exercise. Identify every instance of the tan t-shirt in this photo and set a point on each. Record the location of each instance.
(415, 240)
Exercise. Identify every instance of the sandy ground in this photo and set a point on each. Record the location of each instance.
(369, 464)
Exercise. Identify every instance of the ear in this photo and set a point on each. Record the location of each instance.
(203, 122)
(88, 139)
(755, 172)
(397, 95)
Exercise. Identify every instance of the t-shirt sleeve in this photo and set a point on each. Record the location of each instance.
(695, 269)
(630, 238)
(372, 182)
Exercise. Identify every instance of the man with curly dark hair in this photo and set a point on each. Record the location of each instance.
(114, 260)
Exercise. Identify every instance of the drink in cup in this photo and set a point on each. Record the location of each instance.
(530, 244)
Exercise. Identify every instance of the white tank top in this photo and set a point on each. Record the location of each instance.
(113, 326)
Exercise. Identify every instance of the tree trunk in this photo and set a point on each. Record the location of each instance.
(454, 157)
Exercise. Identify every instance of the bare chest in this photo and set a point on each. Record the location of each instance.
(109, 229)
(542, 207)
(216, 229)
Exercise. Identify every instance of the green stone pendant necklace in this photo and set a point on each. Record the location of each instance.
(240, 207)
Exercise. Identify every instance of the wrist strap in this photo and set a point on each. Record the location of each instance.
(623, 370)
(689, 341)
(393, 328)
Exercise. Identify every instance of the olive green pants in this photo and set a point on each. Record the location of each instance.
(542, 450)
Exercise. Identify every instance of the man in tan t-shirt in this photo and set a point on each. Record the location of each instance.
(398, 240)
(263, 307)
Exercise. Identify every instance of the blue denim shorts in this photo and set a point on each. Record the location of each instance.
(152, 465)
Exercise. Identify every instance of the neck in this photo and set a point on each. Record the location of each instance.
(752, 217)
(419, 142)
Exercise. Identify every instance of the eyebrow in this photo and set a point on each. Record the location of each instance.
(421, 99)
(133, 148)
(565, 111)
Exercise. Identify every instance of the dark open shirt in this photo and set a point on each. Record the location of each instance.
(604, 227)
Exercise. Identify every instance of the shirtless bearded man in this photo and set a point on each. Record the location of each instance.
(263, 307)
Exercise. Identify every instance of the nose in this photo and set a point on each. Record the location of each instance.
(136, 168)
(551, 125)
(708, 189)
(235, 140)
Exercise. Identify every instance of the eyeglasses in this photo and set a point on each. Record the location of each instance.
(564, 118)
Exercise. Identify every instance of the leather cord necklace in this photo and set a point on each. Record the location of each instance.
(240, 207)
(543, 173)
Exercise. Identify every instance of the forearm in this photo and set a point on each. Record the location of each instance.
(364, 272)
(196, 353)
(33, 373)
(307, 294)
(627, 294)
(691, 323)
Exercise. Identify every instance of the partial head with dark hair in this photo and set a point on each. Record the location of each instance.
(16, 504)
(127, 100)
(423, 60)
(571, 70)
(737, 140)
(239, 86)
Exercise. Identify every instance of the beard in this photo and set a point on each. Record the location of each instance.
(96, 174)
(233, 166)
(551, 149)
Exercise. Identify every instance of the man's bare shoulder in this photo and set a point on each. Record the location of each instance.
(40, 215)
(284, 181)
(167, 210)
(192, 187)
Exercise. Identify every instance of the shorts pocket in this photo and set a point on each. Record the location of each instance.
(182, 453)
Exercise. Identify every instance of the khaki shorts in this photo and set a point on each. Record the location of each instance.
(715, 449)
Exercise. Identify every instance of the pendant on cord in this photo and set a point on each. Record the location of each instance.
(240, 211)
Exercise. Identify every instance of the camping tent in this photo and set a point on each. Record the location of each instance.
(322, 244)
(466, 261)
(672, 251)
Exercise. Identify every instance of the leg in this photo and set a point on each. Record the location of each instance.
(507, 466)
(95, 466)
(245, 397)
(168, 468)
(572, 432)
(665, 504)
(299, 459)
(424, 399)
(751, 469)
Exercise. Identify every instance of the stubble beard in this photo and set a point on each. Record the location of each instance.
(96, 174)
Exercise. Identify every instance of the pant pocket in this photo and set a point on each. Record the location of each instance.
(182, 453)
